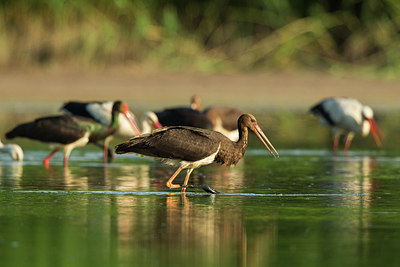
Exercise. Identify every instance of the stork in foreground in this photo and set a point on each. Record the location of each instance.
(189, 147)
(68, 132)
(15, 151)
(349, 117)
(223, 119)
(100, 111)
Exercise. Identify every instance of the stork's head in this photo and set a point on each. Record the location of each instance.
(150, 122)
(369, 124)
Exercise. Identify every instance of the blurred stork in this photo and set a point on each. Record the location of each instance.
(223, 119)
(179, 116)
(349, 117)
(100, 111)
(15, 151)
(70, 131)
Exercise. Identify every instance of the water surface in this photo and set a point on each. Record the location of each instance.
(309, 208)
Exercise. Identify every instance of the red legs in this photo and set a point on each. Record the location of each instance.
(46, 161)
(171, 185)
(105, 156)
(107, 153)
(189, 171)
(349, 138)
(169, 182)
(335, 143)
(65, 161)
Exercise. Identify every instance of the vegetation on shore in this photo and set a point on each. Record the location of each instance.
(203, 35)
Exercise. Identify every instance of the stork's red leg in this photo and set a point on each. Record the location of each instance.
(65, 161)
(349, 138)
(170, 180)
(189, 171)
(46, 161)
(105, 153)
(335, 143)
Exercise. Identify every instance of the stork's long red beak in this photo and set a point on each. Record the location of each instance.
(132, 121)
(260, 134)
(376, 133)
(157, 125)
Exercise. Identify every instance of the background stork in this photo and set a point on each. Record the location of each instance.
(68, 132)
(175, 117)
(15, 151)
(223, 119)
(349, 117)
(100, 111)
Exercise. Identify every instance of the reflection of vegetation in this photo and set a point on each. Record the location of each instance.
(203, 35)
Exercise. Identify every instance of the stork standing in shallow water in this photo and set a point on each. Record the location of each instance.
(15, 151)
(68, 132)
(100, 111)
(349, 117)
(189, 147)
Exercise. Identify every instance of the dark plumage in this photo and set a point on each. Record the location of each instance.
(68, 131)
(80, 109)
(223, 119)
(100, 111)
(183, 117)
(57, 129)
(189, 147)
(319, 110)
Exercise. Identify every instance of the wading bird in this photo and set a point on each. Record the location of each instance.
(349, 117)
(15, 151)
(100, 111)
(68, 132)
(189, 147)
(223, 119)
(175, 117)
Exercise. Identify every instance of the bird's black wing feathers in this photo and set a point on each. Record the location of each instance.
(183, 117)
(77, 108)
(182, 143)
(57, 129)
(320, 110)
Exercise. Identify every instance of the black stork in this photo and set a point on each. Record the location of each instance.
(100, 111)
(180, 116)
(189, 147)
(15, 151)
(349, 117)
(223, 118)
(68, 131)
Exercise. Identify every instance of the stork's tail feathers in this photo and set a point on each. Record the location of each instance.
(127, 146)
(316, 110)
(319, 110)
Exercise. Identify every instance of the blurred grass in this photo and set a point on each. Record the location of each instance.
(336, 36)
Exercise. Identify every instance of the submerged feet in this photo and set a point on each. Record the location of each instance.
(205, 187)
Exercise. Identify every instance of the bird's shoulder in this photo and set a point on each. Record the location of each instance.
(175, 142)
(185, 133)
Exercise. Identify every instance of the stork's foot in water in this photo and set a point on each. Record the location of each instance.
(205, 187)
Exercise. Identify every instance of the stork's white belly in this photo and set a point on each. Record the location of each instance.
(192, 164)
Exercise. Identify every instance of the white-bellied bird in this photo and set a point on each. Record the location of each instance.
(347, 116)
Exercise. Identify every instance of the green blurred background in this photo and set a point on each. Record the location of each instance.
(207, 36)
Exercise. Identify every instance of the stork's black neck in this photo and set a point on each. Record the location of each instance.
(243, 138)
(115, 115)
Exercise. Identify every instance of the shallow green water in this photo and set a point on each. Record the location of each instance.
(309, 208)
